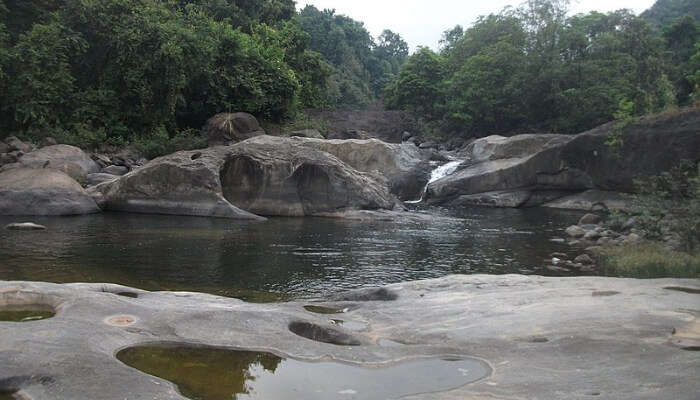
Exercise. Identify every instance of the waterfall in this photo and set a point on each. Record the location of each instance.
(438, 173)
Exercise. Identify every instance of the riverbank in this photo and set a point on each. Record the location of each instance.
(541, 337)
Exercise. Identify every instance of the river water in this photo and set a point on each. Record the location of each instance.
(281, 258)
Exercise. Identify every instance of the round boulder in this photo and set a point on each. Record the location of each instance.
(30, 191)
(226, 128)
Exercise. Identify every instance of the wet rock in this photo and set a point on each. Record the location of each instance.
(25, 226)
(511, 198)
(115, 170)
(28, 191)
(584, 259)
(226, 128)
(589, 219)
(575, 231)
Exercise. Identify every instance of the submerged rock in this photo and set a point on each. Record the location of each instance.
(25, 226)
(28, 191)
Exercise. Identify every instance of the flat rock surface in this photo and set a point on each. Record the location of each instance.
(544, 338)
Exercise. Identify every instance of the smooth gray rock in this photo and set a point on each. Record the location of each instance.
(268, 175)
(307, 133)
(29, 191)
(589, 219)
(115, 170)
(575, 231)
(96, 179)
(544, 338)
(25, 226)
(591, 200)
(61, 157)
(406, 168)
(17, 145)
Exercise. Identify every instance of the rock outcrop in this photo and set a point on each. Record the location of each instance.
(580, 172)
(543, 338)
(30, 191)
(61, 157)
(269, 176)
(404, 166)
(226, 128)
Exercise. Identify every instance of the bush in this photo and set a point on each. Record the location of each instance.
(159, 143)
(649, 260)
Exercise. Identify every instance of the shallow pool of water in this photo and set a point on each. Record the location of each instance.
(25, 313)
(282, 257)
(216, 374)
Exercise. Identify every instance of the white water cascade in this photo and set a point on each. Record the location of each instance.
(438, 173)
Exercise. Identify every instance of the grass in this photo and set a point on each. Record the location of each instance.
(649, 260)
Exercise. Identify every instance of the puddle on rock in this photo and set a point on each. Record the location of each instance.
(25, 313)
(324, 310)
(217, 374)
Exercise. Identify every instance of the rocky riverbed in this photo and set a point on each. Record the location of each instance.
(544, 338)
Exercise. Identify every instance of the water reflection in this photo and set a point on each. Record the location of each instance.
(216, 374)
(281, 257)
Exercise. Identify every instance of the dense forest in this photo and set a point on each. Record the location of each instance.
(113, 71)
(536, 69)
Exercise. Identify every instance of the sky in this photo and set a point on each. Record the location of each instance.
(421, 22)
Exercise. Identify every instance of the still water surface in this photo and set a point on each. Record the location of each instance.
(281, 258)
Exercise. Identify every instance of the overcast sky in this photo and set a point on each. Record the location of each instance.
(421, 22)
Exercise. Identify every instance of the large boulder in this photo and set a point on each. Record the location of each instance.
(581, 171)
(30, 191)
(62, 157)
(648, 147)
(269, 176)
(279, 176)
(404, 166)
(226, 128)
(17, 145)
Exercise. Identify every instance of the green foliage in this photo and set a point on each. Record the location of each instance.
(535, 69)
(419, 85)
(649, 261)
(125, 70)
(159, 142)
(360, 66)
(665, 12)
(623, 118)
(303, 121)
(668, 206)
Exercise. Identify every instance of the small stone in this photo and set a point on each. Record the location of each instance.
(592, 235)
(584, 259)
(589, 219)
(48, 141)
(632, 238)
(629, 224)
(575, 231)
(603, 241)
(562, 256)
(25, 226)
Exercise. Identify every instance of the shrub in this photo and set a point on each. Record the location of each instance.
(649, 260)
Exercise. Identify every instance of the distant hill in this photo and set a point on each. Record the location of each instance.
(664, 12)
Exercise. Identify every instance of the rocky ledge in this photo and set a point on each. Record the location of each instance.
(543, 338)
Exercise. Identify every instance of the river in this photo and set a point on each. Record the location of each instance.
(281, 258)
